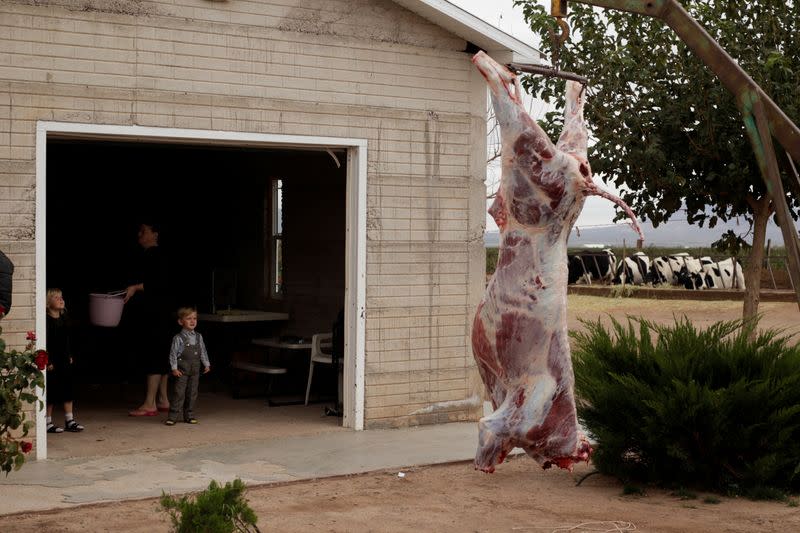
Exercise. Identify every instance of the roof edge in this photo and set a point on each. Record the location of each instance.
(501, 46)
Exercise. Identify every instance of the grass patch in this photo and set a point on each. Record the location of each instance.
(684, 494)
(632, 490)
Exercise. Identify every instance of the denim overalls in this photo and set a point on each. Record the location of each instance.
(183, 393)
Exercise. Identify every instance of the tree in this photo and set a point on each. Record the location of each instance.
(664, 126)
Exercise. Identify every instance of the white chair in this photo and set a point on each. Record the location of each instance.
(319, 341)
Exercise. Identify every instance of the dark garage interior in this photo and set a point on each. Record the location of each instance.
(216, 206)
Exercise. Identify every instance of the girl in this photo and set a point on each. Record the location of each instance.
(59, 370)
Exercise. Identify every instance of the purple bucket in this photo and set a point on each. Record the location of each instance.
(106, 309)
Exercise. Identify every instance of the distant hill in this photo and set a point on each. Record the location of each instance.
(675, 234)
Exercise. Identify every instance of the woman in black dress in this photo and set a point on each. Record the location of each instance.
(157, 323)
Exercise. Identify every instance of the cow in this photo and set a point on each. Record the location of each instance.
(591, 266)
(691, 274)
(725, 274)
(634, 269)
(705, 273)
(667, 268)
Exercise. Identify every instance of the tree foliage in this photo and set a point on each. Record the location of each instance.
(662, 124)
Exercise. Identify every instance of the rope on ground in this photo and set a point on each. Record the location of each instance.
(606, 526)
(583, 478)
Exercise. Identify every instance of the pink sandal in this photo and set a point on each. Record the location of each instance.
(143, 412)
(163, 408)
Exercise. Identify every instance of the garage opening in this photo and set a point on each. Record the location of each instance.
(246, 229)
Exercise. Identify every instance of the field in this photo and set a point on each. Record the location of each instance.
(774, 277)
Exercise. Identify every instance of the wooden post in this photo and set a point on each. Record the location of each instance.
(623, 277)
(769, 263)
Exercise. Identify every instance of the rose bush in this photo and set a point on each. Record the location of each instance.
(20, 373)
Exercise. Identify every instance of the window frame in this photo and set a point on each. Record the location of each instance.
(275, 270)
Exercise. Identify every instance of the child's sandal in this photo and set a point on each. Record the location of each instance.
(169, 422)
(52, 428)
(73, 426)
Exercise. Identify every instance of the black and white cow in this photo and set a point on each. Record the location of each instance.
(667, 268)
(705, 273)
(725, 274)
(588, 267)
(691, 274)
(634, 269)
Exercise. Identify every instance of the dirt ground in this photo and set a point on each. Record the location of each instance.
(518, 497)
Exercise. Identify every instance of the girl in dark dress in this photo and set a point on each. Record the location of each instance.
(157, 323)
(59, 369)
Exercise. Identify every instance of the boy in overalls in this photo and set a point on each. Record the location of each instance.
(187, 354)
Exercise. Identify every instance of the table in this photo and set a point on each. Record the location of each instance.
(231, 330)
(280, 345)
(283, 345)
(242, 315)
(270, 371)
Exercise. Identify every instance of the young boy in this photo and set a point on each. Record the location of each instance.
(188, 352)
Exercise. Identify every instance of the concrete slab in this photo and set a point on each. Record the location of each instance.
(66, 482)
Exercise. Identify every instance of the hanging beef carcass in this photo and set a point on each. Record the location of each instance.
(519, 335)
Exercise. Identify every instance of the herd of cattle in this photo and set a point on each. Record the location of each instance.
(678, 270)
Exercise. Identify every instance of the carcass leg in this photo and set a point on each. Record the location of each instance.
(527, 406)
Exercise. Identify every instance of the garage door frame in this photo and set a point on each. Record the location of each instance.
(355, 240)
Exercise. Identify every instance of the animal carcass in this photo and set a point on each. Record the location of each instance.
(519, 335)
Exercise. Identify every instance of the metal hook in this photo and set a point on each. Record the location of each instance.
(558, 39)
(562, 37)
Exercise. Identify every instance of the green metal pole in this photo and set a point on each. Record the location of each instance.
(712, 54)
(755, 122)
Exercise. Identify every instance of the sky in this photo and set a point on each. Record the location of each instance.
(503, 14)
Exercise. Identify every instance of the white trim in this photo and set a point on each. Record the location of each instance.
(182, 135)
(355, 292)
(355, 288)
(500, 45)
(40, 296)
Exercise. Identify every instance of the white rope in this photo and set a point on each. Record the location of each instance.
(607, 526)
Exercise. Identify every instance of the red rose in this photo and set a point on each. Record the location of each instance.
(41, 359)
(31, 336)
(26, 446)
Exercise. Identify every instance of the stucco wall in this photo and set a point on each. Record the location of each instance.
(351, 68)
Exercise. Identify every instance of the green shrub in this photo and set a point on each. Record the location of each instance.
(677, 406)
(491, 260)
(215, 510)
(20, 374)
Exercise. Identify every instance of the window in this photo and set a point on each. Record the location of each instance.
(276, 251)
